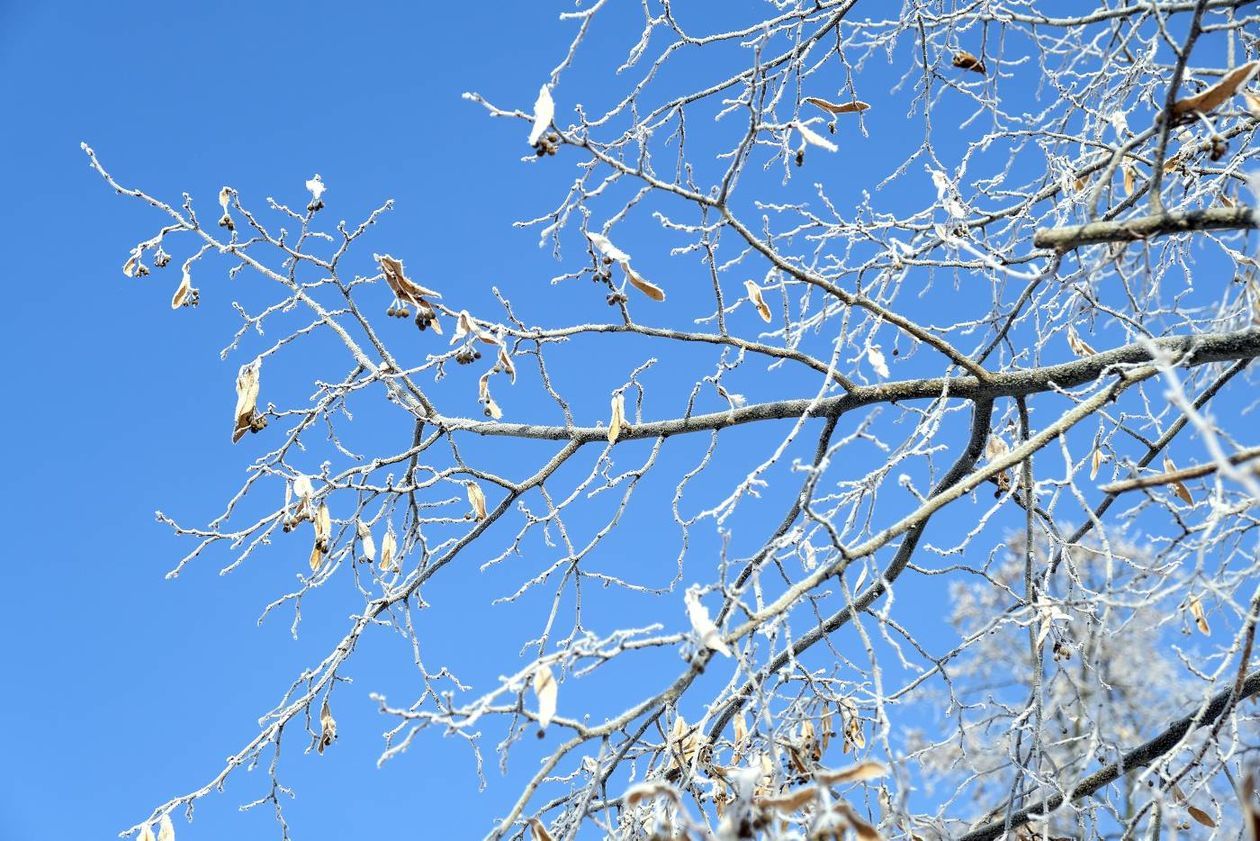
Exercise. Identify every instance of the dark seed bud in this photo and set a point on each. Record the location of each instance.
(800, 158)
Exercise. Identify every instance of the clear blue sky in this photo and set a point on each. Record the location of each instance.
(122, 688)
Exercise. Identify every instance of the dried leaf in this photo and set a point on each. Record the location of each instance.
(606, 249)
(1200, 619)
(246, 415)
(403, 287)
(1130, 176)
(1095, 462)
(327, 725)
(316, 186)
(789, 801)
(702, 624)
(166, 829)
(648, 288)
(853, 107)
(476, 498)
(859, 773)
(876, 358)
(1212, 98)
(539, 831)
(365, 538)
(646, 791)
(1201, 816)
(483, 391)
(544, 113)
(316, 558)
(463, 326)
(545, 689)
(1078, 345)
(504, 363)
(964, 60)
(185, 295)
(813, 138)
(618, 418)
(1252, 103)
(389, 549)
(323, 527)
(758, 301)
(1178, 486)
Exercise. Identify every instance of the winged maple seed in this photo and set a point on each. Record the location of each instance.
(964, 60)
(1189, 109)
(247, 417)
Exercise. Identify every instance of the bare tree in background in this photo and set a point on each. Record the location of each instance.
(938, 572)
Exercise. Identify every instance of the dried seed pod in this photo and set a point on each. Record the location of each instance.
(964, 60)
(247, 384)
(758, 300)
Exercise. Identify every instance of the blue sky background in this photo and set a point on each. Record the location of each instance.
(123, 688)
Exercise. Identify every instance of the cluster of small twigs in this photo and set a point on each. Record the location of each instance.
(973, 352)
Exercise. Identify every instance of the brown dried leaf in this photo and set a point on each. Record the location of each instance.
(648, 288)
(758, 301)
(859, 773)
(247, 384)
(1178, 486)
(1212, 98)
(403, 287)
(618, 418)
(1252, 103)
(1201, 816)
(1078, 345)
(476, 498)
(853, 107)
(536, 827)
(185, 295)
(327, 725)
(546, 690)
(389, 548)
(789, 801)
(1195, 604)
(964, 60)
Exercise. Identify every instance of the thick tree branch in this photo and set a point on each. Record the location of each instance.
(1145, 227)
